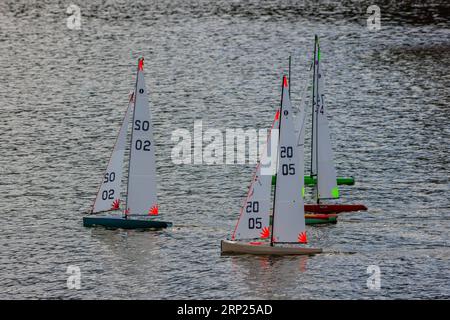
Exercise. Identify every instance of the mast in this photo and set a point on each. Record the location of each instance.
(289, 76)
(276, 165)
(316, 47)
(140, 64)
(312, 106)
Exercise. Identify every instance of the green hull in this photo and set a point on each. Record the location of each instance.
(312, 221)
(112, 222)
(309, 221)
(310, 181)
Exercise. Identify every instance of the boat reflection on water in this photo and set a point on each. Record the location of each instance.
(129, 244)
(268, 262)
(130, 254)
(278, 271)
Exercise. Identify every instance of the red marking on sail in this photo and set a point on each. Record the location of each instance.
(131, 96)
(277, 115)
(255, 243)
(302, 237)
(153, 210)
(285, 84)
(265, 233)
(127, 211)
(115, 204)
(141, 64)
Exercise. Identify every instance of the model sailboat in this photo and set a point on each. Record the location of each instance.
(300, 124)
(287, 233)
(141, 199)
(322, 167)
(312, 178)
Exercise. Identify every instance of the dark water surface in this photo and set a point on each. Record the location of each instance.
(63, 93)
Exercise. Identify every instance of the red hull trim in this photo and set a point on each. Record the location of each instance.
(333, 208)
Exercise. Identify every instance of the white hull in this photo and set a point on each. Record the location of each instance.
(261, 248)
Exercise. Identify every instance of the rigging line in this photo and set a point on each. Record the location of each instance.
(289, 77)
(317, 119)
(276, 165)
(299, 109)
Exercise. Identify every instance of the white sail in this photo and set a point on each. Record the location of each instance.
(141, 197)
(322, 153)
(254, 219)
(289, 215)
(108, 196)
(300, 133)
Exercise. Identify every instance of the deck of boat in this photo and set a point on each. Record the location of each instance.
(263, 248)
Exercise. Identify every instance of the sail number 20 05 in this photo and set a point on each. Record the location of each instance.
(287, 152)
(253, 222)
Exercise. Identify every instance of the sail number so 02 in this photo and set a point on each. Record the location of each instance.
(143, 145)
(109, 177)
(108, 194)
(253, 206)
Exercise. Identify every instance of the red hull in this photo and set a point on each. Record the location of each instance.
(333, 208)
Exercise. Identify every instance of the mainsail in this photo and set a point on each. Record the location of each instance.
(108, 196)
(288, 216)
(322, 155)
(141, 194)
